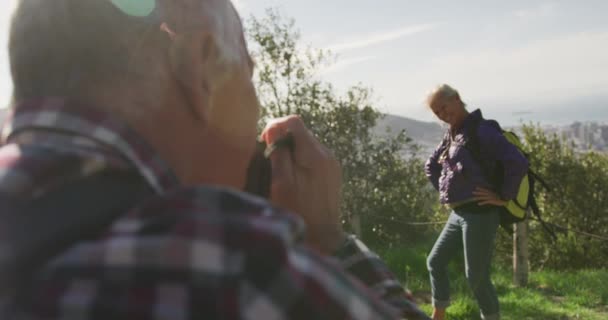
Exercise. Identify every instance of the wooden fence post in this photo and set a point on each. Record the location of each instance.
(521, 258)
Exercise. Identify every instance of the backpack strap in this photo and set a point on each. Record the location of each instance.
(534, 206)
(473, 145)
(537, 178)
(34, 231)
(472, 140)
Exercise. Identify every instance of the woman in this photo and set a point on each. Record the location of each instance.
(460, 176)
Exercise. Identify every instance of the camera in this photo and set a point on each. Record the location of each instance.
(259, 172)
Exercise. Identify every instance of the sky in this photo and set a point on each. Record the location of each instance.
(541, 61)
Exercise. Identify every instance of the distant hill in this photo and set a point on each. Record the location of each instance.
(426, 134)
(584, 135)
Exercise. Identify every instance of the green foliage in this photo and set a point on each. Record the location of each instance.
(584, 287)
(381, 187)
(578, 200)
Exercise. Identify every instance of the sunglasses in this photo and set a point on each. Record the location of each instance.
(136, 8)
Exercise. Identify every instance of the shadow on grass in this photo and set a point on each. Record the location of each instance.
(466, 309)
(529, 311)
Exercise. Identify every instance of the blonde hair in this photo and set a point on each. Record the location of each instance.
(441, 91)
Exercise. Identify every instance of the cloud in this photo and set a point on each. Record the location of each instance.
(522, 113)
(543, 71)
(378, 38)
(542, 11)
(341, 64)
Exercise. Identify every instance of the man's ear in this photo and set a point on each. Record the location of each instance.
(188, 55)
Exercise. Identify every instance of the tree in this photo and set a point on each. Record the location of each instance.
(380, 186)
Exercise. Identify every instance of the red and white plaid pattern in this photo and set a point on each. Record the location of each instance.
(184, 253)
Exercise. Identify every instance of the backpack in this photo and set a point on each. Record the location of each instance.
(517, 209)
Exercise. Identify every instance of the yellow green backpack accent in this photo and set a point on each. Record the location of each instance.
(518, 207)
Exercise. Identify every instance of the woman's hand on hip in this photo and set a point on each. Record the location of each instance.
(484, 197)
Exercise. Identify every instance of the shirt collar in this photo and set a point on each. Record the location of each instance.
(77, 119)
(472, 118)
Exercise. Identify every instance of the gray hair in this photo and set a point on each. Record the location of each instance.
(441, 91)
(67, 47)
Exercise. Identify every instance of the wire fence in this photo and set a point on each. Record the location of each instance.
(431, 223)
(583, 233)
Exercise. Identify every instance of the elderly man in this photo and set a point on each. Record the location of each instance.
(133, 125)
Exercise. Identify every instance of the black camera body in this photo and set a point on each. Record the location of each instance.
(259, 173)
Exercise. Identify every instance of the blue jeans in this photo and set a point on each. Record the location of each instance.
(475, 232)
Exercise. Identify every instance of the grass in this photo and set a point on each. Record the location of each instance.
(550, 295)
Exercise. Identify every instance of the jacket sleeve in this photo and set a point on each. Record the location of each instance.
(432, 168)
(497, 147)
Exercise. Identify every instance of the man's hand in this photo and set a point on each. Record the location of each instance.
(485, 196)
(307, 182)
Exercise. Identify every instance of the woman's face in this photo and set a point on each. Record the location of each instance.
(449, 110)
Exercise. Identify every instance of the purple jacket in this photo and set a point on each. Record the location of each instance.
(456, 173)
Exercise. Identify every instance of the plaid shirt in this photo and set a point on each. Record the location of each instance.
(181, 253)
